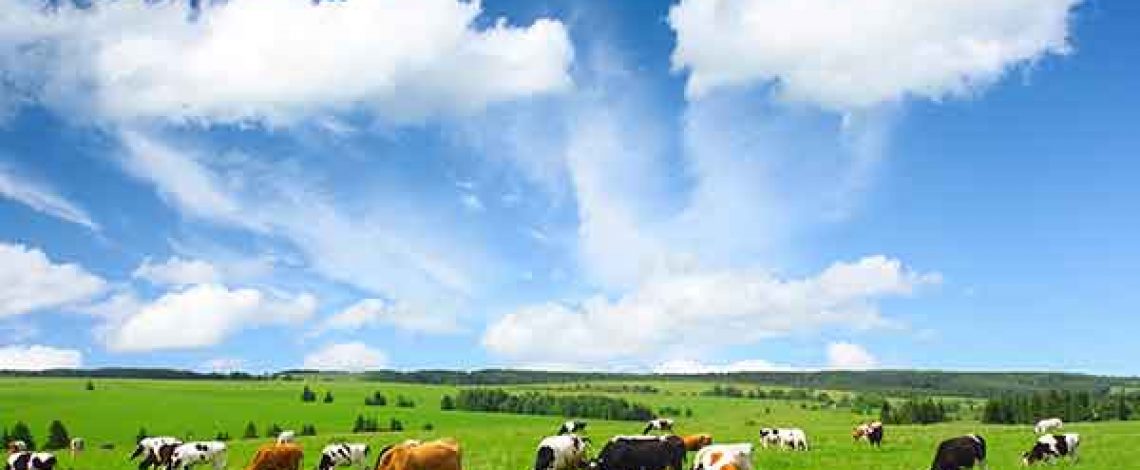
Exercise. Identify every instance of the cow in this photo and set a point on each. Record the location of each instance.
(343, 455)
(156, 451)
(724, 457)
(194, 453)
(640, 453)
(1046, 425)
(17, 446)
(785, 438)
(696, 442)
(1053, 446)
(960, 452)
(572, 427)
(872, 432)
(562, 452)
(443, 454)
(658, 424)
(76, 446)
(24, 460)
(277, 457)
(286, 437)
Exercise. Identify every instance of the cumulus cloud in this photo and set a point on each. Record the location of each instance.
(350, 357)
(695, 310)
(277, 62)
(177, 272)
(375, 312)
(849, 356)
(204, 315)
(42, 198)
(30, 281)
(846, 55)
(36, 357)
(689, 366)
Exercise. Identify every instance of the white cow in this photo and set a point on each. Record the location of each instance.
(343, 455)
(286, 437)
(659, 424)
(1046, 425)
(722, 456)
(25, 460)
(194, 453)
(562, 452)
(786, 438)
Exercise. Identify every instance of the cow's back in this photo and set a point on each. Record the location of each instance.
(277, 457)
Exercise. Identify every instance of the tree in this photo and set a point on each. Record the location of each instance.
(308, 395)
(273, 431)
(328, 397)
(308, 430)
(250, 431)
(141, 434)
(21, 432)
(447, 403)
(90, 386)
(57, 436)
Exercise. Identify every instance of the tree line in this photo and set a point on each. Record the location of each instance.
(1028, 408)
(534, 403)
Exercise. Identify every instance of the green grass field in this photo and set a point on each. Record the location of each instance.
(116, 409)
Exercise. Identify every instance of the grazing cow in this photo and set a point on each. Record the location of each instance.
(640, 453)
(194, 453)
(872, 432)
(156, 451)
(443, 454)
(562, 452)
(25, 460)
(785, 438)
(76, 446)
(1053, 446)
(696, 442)
(277, 457)
(572, 427)
(960, 452)
(1046, 425)
(659, 424)
(724, 457)
(343, 455)
(17, 446)
(286, 437)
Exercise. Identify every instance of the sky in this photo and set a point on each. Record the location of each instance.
(690, 186)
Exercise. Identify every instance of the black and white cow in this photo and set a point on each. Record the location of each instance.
(343, 455)
(155, 451)
(640, 452)
(960, 452)
(25, 460)
(659, 424)
(784, 438)
(1053, 446)
(872, 432)
(572, 427)
(562, 452)
(195, 453)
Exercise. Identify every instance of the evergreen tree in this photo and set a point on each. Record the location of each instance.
(21, 432)
(250, 431)
(328, 397)
(57, 436)
(308, 395)
(273, 431)
(90, 386)
(447, 403)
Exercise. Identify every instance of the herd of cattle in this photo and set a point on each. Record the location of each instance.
(566, 450)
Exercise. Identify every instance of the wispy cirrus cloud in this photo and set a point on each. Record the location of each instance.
(42, 198)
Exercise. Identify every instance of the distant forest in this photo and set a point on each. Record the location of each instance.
(893, 382)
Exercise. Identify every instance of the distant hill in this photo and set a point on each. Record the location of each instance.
(972, 384)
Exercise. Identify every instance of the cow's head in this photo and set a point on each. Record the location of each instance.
(1038, 453)
(139, 449)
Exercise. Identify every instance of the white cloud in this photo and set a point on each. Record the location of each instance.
(373, 312)
(472, 203)
(224, 365)
(42, 198)
(351, 357)
(688, 366)
(278, 62)
(204, 315)
(36, 357)
(849, 356)
(845, 55)
(702, 309)
(177, 272)
(29, 281)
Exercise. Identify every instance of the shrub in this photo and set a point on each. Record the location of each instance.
(447, 403)
(273, 431)
(90, 386)
(308, 430)
(429, 427)
(21, 432)
(404, 402)
(377, 399)
(328, 397)
(395, 425)
(308, 395)
(57, 436)
(222, 436)
(250, 431)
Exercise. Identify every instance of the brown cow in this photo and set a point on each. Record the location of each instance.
(277, 457)
(696, 442)
(443, 454)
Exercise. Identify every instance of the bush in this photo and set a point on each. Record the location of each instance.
(395, 425)
(21, 432)
(273, 431)
(377, 399)
(250, 431)
(90, 386)
(363, 424)
(534, 403)
(222, 436)
(429, 427)
(308, 395)
(57, 436)
(141, 434)
(447, 403)
(404, 402)
(328, 397)
(308, 430)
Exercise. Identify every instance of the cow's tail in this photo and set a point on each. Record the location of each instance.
(138, 451)
(545, 458)
(648, 427)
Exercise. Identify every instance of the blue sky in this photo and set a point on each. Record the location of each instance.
(709, 185)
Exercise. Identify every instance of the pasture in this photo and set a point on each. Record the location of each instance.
(117, 408)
